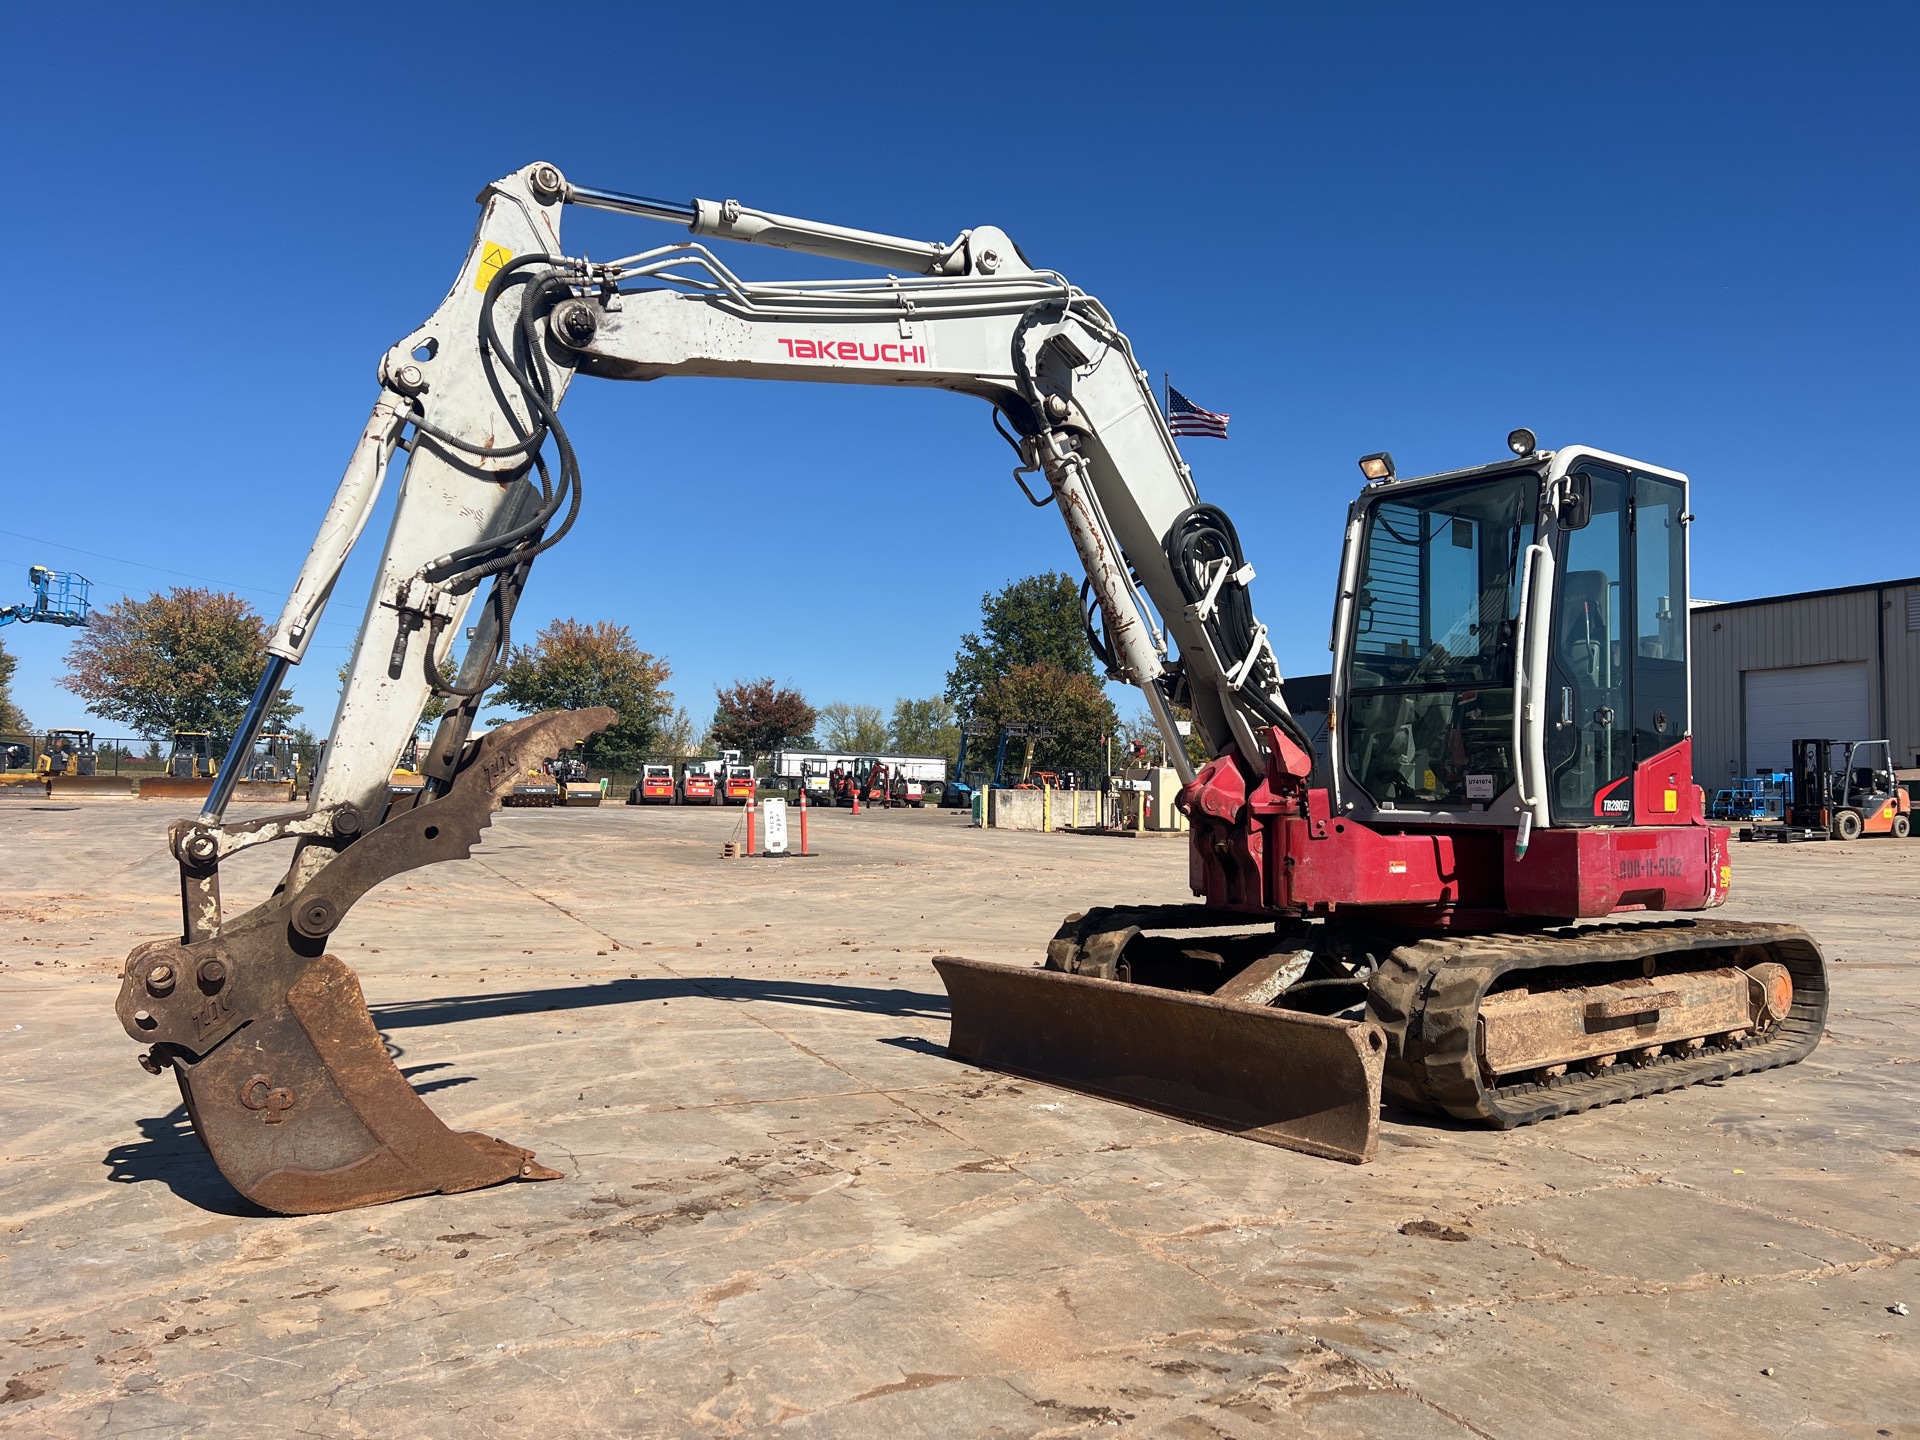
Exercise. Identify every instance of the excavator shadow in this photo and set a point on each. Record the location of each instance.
(452, 1009)
(168, 1151)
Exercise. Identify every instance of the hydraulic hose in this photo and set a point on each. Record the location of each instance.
(523, 363)
(1199, 538)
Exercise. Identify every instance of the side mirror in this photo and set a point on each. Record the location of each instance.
(1576, 501)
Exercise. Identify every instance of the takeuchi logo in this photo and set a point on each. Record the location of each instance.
(887, 354)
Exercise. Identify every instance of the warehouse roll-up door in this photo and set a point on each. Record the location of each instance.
(1806, 702)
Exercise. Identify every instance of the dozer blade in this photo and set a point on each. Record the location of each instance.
(286, 1080)
(174, 787)
(68, 786)
(1305, 1082)
(269, 792)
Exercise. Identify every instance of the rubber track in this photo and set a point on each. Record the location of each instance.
(1427, 995)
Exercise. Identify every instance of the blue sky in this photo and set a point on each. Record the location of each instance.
(1686, 233)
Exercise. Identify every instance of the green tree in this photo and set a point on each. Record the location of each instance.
(573, 665)
(926, 727)
(757, 717)
(13, 720)
(852, 729)
(1074, 706)
(1035, 621)
(186, 660)
(680, 736)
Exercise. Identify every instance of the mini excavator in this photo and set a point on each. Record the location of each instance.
(1509, 736)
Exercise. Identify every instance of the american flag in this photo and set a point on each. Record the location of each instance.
(1186, 418)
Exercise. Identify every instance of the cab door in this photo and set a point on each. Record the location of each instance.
(1617, 692)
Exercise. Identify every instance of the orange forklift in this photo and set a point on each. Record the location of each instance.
(1843, 789)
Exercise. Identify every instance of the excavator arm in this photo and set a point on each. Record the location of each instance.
(285, 1078)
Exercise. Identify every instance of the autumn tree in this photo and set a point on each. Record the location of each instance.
(925, 727)
(573, 665)
(13, 720)
(757, 717)
(1035, 621)
(1073, 704)
(852, 729)
(186, 660)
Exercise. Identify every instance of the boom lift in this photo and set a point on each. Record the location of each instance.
(1511, 751)
(59, 598)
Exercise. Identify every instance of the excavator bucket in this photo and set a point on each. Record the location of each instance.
(1306, 1082)
(286, 1080)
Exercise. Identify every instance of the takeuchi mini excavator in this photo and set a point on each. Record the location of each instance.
(1509, 734)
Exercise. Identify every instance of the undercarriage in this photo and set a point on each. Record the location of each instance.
(1294, 1034)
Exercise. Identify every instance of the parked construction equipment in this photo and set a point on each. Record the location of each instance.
(1754, 797)
(654, 787)
(700, 782)
(60, 762)
(813, 770)
(736, 779)
(576, 790)
(273, 770)
(1511, 750)
(67, 753)
(1842, 789)
(406, 784)
(957, 793)
(190, 769)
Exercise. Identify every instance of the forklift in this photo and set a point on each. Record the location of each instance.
(1842, 789)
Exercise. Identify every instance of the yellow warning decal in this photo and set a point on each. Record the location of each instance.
(1726, 877)
(492, 257)
(1673, 801)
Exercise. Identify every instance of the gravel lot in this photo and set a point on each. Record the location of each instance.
(785, 1210)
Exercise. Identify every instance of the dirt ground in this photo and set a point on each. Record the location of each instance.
(786, 1210)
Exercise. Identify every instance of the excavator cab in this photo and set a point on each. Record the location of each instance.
(1557, 578)
(1515, 648)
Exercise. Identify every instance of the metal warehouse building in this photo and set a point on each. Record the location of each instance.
(1841, 664)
